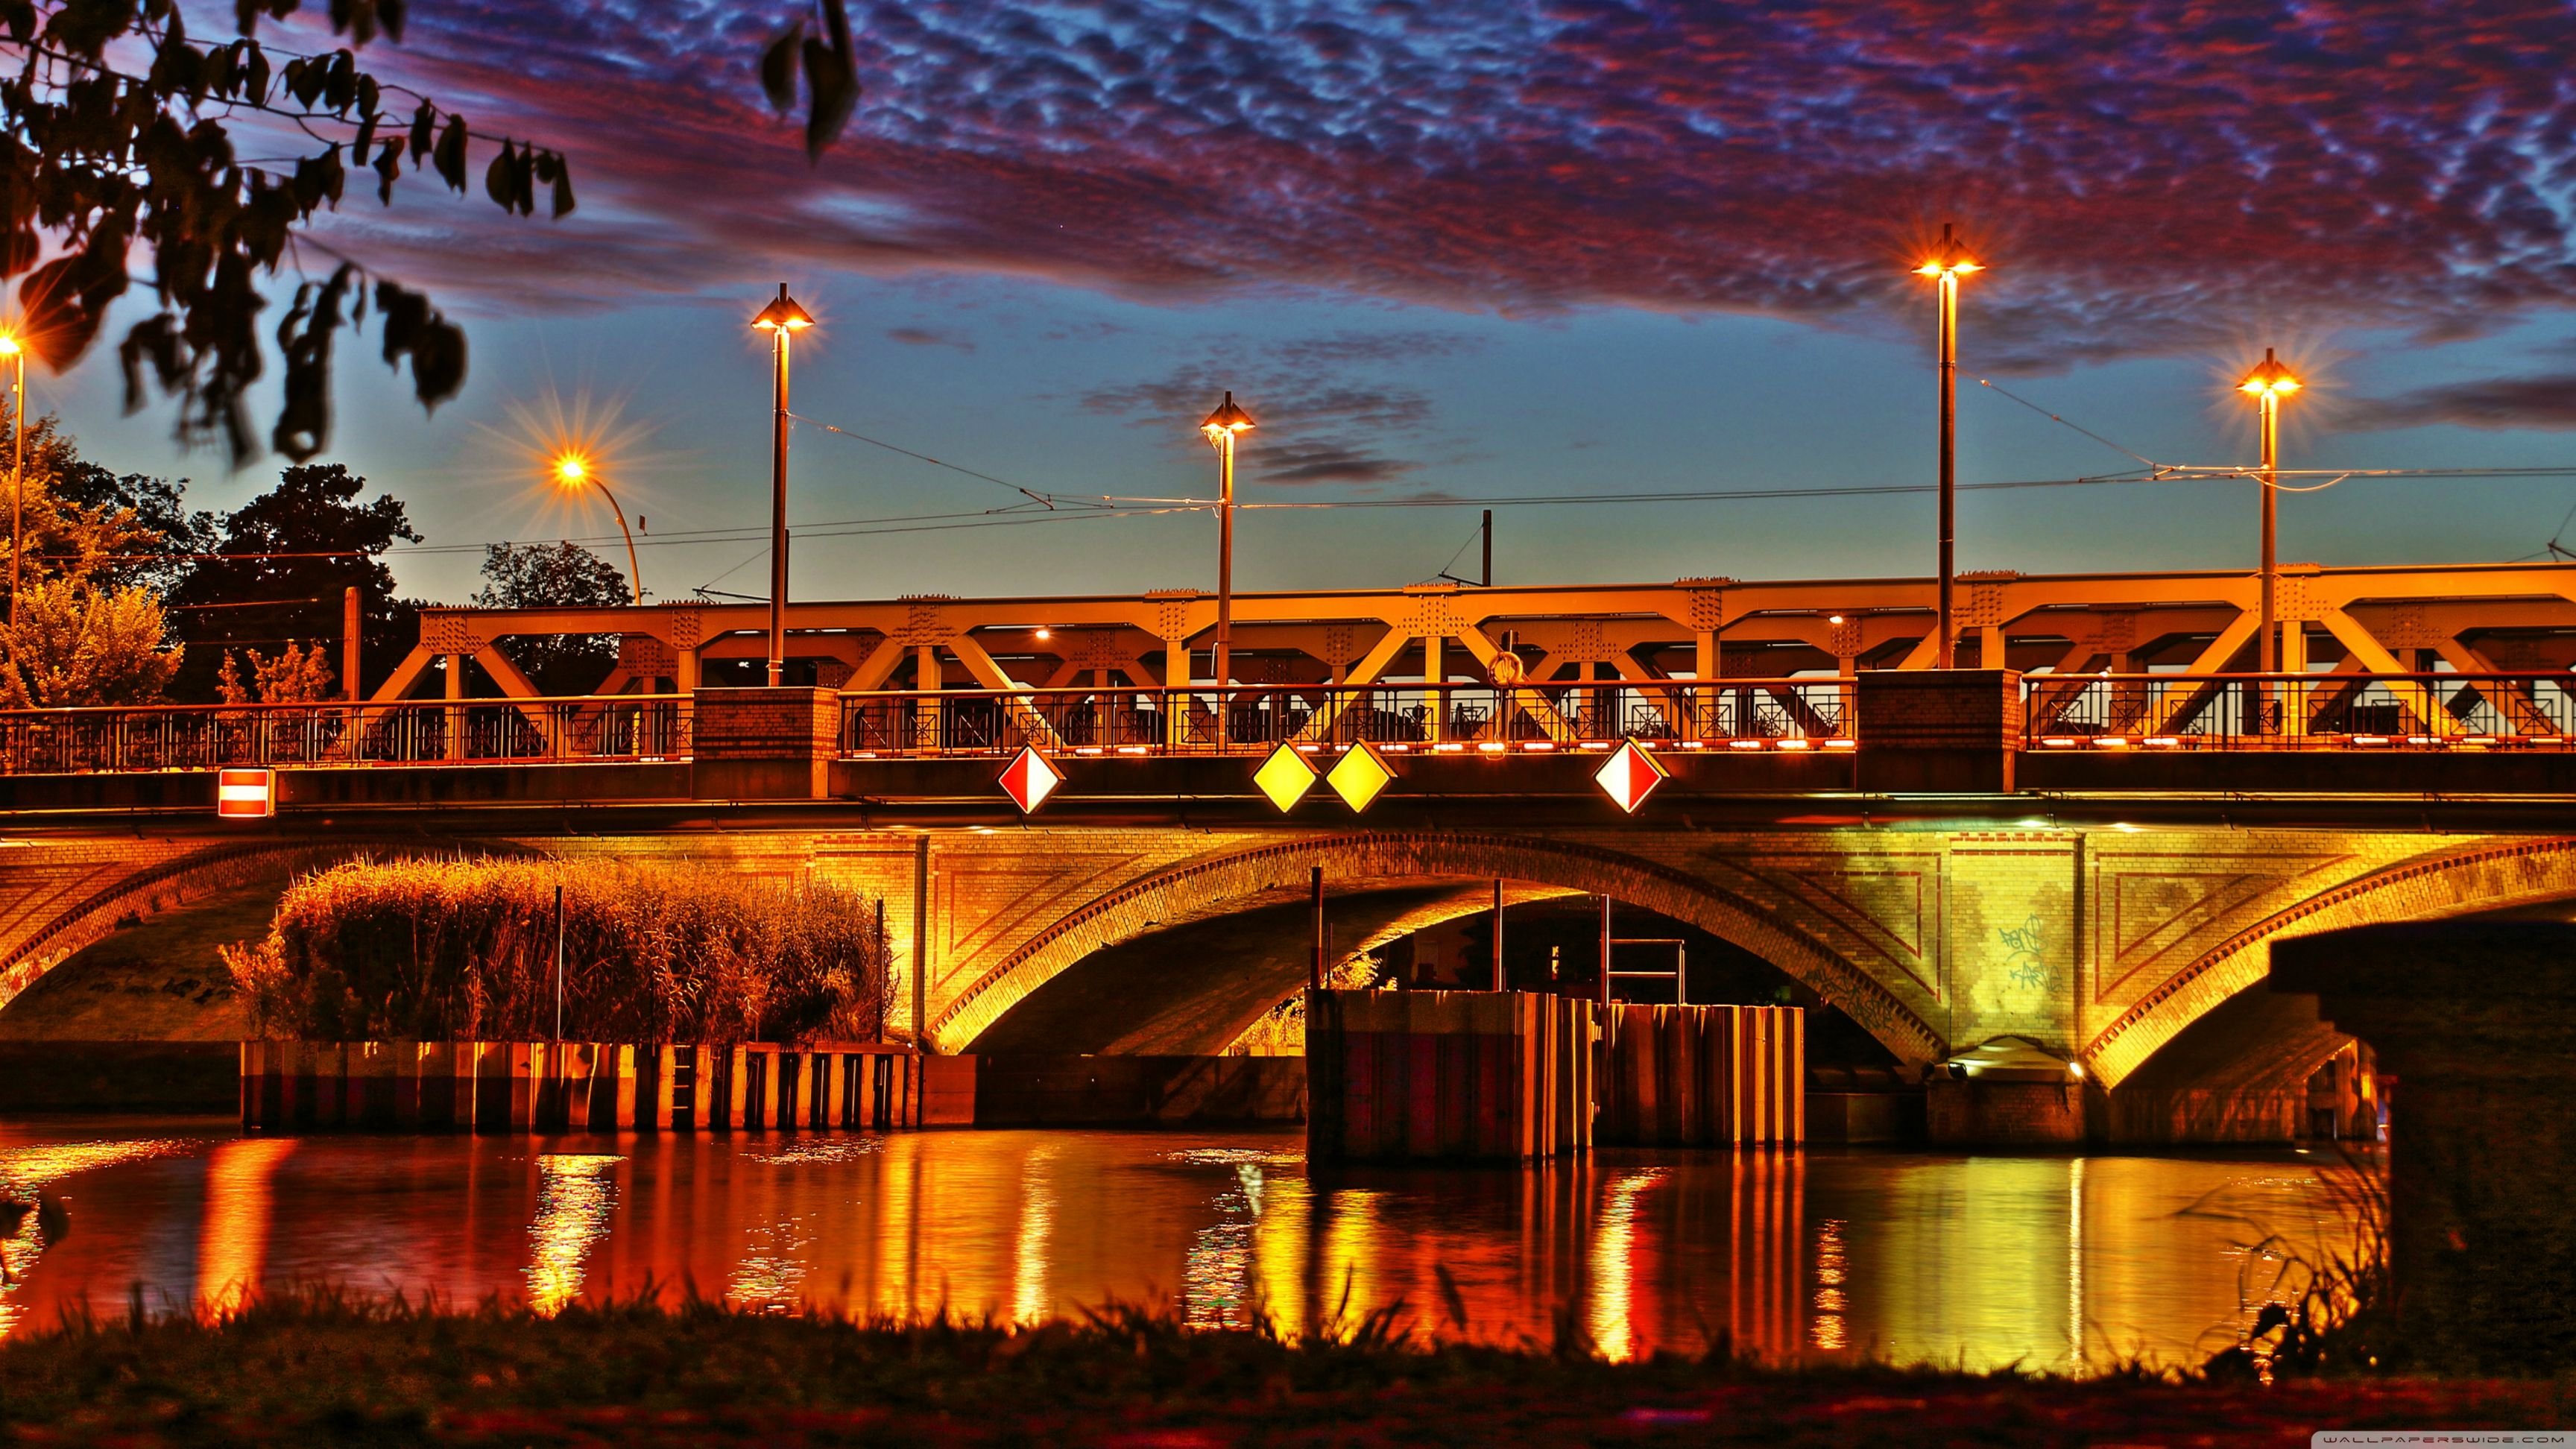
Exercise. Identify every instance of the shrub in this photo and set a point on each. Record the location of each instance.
(464, 949)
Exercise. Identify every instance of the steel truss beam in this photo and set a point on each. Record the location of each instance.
(2483, 618)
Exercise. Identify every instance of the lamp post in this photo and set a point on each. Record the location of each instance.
(780, 319)
(1221, 428)
(1946, 266)
(17, 355)
(572, 472)
(2267, 384)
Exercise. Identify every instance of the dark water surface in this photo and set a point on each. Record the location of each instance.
(2051, 1261)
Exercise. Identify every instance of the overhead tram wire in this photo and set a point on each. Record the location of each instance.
(1109, 506)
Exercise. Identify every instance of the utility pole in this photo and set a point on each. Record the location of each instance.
(1315, 975)
(349, 660)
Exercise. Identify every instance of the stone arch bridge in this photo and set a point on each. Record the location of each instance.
(2101, 941)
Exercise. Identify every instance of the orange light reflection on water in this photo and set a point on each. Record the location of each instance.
(28, 1171)
(1974, 1260)
(574, 1195)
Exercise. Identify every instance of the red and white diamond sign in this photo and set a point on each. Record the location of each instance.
(1629, 776)
(1029, 779)
(245, 794)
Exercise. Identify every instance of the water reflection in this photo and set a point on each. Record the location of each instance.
(33, 1169)
(574, 1192)
(232, 1241)
(1983, 1260)
(1030, 1300)
(1612, 1262)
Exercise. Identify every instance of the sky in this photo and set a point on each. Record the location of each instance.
(1463, 250)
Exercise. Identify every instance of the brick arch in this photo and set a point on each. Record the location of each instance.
(1278, 871)
(2486, 877)
(176, 884)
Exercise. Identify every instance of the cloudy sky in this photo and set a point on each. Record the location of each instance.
(1470, 249)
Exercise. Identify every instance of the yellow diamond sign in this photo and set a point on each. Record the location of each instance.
(1285, 777)
(1358, 776)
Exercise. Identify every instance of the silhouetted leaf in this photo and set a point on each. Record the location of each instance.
(449, 158)
(497, 181)
(778, 67)
(833, 90)
(388, 167)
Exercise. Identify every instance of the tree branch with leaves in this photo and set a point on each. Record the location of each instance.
(108, 157)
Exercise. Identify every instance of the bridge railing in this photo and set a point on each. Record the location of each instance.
(2300, 711)
(604, 728)
(1254, 719)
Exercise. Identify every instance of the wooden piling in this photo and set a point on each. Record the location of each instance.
(1444, 1074)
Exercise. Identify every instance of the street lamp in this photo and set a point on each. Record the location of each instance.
(2267, 384)
(17, 355)
(1946, 266)
(780, 319)
(572, 472)
(1221, 428)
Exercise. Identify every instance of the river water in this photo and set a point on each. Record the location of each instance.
(2053, 1262)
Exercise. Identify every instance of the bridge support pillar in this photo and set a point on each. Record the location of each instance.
(765, 744)
(1938, 731)
(2477, 1021)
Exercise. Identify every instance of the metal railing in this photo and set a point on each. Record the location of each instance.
(1251, 720)
(603, 728)
(2300, 711)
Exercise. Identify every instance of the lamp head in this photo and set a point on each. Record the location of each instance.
(782, 314)
(1949, 259)
(2271, 378)
(571, 471)
(1226, 419)
(9, 346)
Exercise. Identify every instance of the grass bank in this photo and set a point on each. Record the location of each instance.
(326, 1369)
(462, 949)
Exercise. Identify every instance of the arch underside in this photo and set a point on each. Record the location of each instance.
(2512, 877)
(1388, 877)
(215, 879)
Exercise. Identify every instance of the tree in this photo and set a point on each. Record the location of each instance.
(107, 168)
(287, 557)
(78, 643)
(73, 524)
(154, 505)
(296, 674)
(553, 576)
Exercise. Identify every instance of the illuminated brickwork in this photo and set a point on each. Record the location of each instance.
(2098, 944)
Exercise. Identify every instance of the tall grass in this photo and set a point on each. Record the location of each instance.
(2324, 1310)
(463, 949)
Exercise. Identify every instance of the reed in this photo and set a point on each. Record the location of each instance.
(463, 949)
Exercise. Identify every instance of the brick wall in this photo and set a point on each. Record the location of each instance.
(1952, 731)
(765, 744)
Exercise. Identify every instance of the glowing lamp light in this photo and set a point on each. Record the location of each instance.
(571, 471)
(1285, 777)
(1227, 419)
(1949, 259)
(1629, 776)
(1028, 779)
(782, 314)
(245, 794)
(2270, 378)
(1359, 776)
(9, 345)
